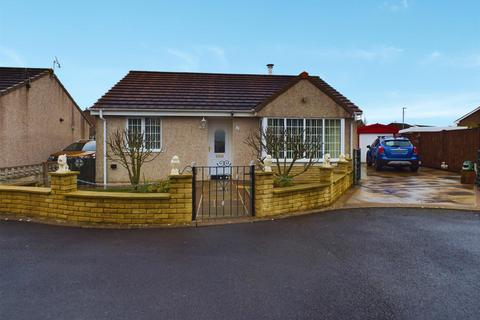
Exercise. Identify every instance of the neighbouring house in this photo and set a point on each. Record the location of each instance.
(470, 120)
(206, 117)
(37, 116)
(368, 133)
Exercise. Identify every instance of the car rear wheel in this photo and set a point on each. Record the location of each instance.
(369, 162)
(414, 168)
(378, 165)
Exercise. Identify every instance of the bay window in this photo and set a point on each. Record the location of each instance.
(329, 132)
(150, 127)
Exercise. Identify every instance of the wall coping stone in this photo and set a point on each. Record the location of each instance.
(181, 176)
(263, 173)
(64, 174)
(327, 168)
(118, 195)
(337, 177)
(300, 187)
(36, 190)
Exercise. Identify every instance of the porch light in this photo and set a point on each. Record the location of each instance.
(203, 123)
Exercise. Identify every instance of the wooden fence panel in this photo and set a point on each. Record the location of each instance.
(452, 147)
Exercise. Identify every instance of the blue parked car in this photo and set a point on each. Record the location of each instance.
(393, 152)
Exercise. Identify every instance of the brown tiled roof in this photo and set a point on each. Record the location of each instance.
(335, 95)
(203, 91)
(11, 78)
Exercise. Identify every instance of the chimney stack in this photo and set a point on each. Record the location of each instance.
(270, 68)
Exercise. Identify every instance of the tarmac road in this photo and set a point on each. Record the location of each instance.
(350, 264)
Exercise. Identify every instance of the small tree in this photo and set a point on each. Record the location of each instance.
(132, 151)
(286, 147)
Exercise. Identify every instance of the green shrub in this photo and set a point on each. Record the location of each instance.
(159, 186)
(283, 181)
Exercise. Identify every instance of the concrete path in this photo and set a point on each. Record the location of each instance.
(426, 187)
(350, 264)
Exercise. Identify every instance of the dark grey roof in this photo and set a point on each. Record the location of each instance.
(14, 77)
(205, 91)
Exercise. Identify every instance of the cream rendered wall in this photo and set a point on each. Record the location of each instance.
(30, 129)
(242, 127)
(181, 136)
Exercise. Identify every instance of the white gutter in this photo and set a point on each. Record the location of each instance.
(166, 113)
(104, 149)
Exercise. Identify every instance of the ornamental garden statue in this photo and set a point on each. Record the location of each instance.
(62, 164)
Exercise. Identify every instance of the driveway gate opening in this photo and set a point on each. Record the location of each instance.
(223, 192)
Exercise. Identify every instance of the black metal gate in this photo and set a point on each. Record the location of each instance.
(223, 192)
(86, 167)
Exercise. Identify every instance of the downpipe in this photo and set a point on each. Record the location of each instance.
(104, 149)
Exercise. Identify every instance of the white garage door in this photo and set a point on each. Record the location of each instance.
(366, 139)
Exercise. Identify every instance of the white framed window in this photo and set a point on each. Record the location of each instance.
(151, 128)
(277, 125)
(332, 141)
(314, 133)
(330, 132)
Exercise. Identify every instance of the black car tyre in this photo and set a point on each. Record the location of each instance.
(378, 165)
(414, 168)
(369, 162)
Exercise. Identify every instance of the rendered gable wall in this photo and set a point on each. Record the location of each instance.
(315, 104)
(30, 126)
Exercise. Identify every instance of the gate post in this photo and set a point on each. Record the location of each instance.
(477, 181)
(194, 202)
(252, 189)
(357, 166)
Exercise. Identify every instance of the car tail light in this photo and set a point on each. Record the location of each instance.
(415, 150)
(381, 150)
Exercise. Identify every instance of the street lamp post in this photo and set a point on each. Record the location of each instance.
(403, 117)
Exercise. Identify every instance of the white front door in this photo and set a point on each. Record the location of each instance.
(219, 146)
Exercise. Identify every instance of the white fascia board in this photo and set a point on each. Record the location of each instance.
(166, 113)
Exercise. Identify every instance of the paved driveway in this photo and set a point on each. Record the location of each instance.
(426, 187)
(358, 264)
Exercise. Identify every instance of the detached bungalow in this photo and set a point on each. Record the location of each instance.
(206, 117)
